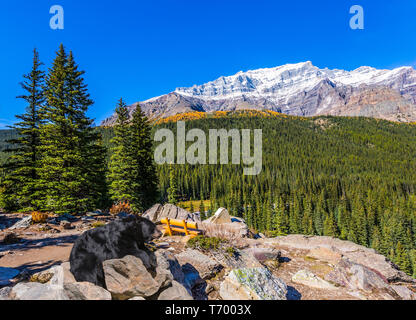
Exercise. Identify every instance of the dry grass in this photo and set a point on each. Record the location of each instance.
(227, 232)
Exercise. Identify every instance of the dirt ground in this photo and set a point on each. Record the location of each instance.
(39, 246)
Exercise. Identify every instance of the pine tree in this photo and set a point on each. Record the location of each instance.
(202, 209)
(173, 186)
(71, 172)
(191, 206)
(20, 183)
(143, 181)
(92, 160)
(402, 259)
(118, 168)
(330, 228)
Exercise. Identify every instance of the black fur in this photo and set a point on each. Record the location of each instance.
(113, 241)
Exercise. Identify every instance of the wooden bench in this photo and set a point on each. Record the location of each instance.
(181, 226)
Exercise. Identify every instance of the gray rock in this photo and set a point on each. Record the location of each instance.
(309, 279)
(231, 231)
(128, 277)
(86, 291)
(5, 293)
(252, 284)
(66, 225)
(157, 212)
(356, 277)
(220, 217)
(6, 274)
(197, 267)
(404, 292)
(354, 252)
(68, 277)
(57, 275)
(264, 254)
(167, 263)
(175, 292)
(37, 291)
(24, 223)
(153, 213)
(138, 298)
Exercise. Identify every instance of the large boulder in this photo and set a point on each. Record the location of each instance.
(252, 284)
(153, 213)
(175, 292)
(234, 230)
(197, 267)
(158, 212)
(220, 217)
(309, 279)
(57, 275)
(37, 291)
(5, 293)
(356, 277)
(128, 277)
(169, 265)
(264, 255)
(85, 291)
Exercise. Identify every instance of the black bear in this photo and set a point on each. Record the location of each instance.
(115, 240)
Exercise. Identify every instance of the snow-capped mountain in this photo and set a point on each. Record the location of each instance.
(298, 89)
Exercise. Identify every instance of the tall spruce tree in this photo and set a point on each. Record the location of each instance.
(118, 166)
(92, 160)
(142, 171)
(71, 171)
(132, 171)
(173, 186)
(21, 169)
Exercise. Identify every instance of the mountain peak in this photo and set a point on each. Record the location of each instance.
(300, 89)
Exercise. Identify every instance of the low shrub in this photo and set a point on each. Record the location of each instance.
(39, 217)
(205, 243)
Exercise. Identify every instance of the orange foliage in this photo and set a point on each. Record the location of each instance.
(39, 217)
(121, 207)
(190, 116)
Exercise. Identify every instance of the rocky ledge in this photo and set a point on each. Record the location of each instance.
(292, 267)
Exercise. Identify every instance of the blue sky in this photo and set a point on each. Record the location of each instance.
(141, 49)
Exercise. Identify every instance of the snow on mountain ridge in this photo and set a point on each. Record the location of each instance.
(284, 81)
(300, 89)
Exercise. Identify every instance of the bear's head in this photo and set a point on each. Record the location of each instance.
(145, 230)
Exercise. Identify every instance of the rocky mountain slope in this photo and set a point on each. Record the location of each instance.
(297, 89)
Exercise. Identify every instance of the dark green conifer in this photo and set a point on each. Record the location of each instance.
(21, 170)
